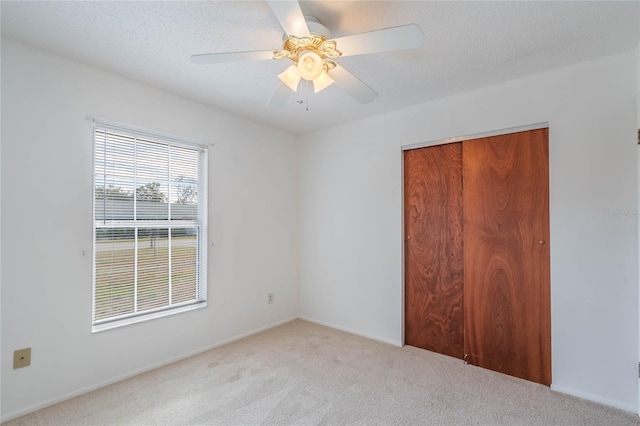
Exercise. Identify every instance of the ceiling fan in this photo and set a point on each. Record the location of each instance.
(308, 45)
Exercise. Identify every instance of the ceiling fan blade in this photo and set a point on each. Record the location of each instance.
(280, 96)
(396, 38)
(352, 85)
(219, 58)
(290, 16)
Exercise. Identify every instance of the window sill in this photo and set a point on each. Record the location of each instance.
(146, 317)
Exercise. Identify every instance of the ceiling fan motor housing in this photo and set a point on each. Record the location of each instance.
(316, 28)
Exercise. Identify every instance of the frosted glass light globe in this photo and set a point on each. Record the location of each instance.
(310, 65)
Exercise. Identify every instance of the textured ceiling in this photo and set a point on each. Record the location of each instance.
(468, 45)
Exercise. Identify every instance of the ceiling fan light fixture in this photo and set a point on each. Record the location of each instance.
(310, 65)
(308, 44)
(322, 82)
(291, 77)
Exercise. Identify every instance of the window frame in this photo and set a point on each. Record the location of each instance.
(201, 224)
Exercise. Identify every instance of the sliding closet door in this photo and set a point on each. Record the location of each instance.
(506, 254)
(433, 249)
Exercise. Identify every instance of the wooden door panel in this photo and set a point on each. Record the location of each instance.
(506, 254)
(433, 249)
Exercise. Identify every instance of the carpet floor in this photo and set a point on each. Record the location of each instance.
(306, 374)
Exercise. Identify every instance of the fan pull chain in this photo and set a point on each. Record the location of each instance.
(307, 94)
(305, 89)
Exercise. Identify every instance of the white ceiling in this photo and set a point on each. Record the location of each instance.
(468, 45)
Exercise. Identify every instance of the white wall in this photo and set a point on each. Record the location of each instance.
(351, 216)
(47, 159)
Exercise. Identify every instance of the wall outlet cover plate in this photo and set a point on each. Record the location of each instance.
(22, 358)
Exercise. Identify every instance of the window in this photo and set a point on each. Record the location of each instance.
(149, 256)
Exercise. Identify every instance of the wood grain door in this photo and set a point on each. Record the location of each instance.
(433, 249)
(506, 254)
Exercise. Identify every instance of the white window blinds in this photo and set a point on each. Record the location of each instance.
(150, 225)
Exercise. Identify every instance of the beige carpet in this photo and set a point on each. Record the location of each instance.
(303, 373)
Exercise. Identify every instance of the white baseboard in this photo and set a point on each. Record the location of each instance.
(358, 333)
(90, 388)
(595, 398)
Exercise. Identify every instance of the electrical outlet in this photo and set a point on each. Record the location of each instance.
(270, 298)
(22, 358)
